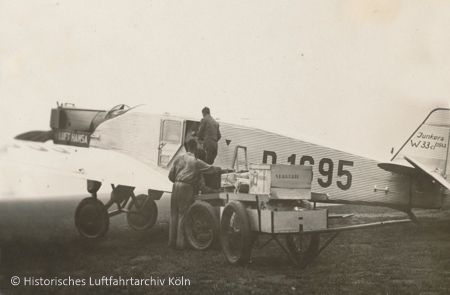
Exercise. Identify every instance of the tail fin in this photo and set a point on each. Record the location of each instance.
(429, 143)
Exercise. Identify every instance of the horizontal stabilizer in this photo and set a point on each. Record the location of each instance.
(403, 168)
(433, 173)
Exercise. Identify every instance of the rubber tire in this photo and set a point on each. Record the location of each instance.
(242, 257)
(97, 222)
(213, 225)
(150, 213)
(311, 249)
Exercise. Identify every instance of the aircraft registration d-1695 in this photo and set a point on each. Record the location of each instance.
(133, 148)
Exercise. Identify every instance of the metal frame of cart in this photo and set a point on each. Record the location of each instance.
(238, 219)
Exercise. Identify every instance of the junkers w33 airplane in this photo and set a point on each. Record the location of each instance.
(132, 148)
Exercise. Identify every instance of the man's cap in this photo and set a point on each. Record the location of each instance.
(206, 111)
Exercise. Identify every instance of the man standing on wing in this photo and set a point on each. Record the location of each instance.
(209, 133)
(185, 175)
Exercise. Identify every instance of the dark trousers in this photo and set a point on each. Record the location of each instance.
(210, 148)
(182, 197)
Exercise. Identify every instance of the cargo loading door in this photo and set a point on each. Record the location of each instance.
(170, 141)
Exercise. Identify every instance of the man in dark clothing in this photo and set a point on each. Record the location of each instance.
(209, 133)
(185, 175)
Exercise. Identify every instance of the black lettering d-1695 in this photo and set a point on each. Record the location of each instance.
(291, 159)
(346, 173)
(326, 169)
(272, 155)
(305, 159)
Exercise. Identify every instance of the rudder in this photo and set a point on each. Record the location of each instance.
(429, 143)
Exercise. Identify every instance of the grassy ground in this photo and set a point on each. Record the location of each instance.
(39, 240)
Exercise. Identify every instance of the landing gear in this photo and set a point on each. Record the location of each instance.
(91, 218)
(142, 213)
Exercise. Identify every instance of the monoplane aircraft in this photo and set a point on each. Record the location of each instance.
(131, 148)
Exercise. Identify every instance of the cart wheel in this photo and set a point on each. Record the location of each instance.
(235, 234)
(145, 216)
(91, 218)
(303, 247)
(201, 225)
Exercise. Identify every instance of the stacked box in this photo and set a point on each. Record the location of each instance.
(281, 181)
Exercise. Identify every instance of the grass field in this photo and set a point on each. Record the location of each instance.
(39, 240)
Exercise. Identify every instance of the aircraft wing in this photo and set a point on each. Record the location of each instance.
(97, 164)
(433, 173)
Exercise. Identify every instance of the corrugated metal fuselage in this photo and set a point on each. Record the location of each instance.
(345, 177)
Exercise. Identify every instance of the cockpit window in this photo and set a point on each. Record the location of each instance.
(172, 131)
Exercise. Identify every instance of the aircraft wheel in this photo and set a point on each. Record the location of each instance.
(91, 218)
(201, 225)
(144, 217)
(303, 247)
(235, 234)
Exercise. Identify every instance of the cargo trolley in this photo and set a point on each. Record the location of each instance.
(270, 200)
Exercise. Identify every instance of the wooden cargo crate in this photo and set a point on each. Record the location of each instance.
(281, 181)
(288, 221)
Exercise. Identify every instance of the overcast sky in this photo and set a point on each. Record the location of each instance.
(359, 75)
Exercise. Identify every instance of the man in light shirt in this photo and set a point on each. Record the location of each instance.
(185, 174)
